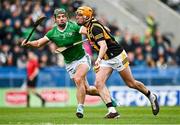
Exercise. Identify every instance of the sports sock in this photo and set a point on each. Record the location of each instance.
(114, 103)
(110, 107)
(148, 94)
(80, 108)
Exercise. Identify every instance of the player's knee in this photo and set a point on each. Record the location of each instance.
(78, 80)
(99, 84)
(131, 85)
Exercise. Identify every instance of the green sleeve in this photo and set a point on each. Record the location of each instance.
(77, 27)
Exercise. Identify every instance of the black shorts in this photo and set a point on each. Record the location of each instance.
(32, 83)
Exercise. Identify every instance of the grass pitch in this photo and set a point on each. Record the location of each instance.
(92, 115)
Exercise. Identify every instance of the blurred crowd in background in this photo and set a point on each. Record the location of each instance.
(174, 4)
(153, 49)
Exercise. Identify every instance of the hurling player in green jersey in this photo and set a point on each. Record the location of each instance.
(77, 62)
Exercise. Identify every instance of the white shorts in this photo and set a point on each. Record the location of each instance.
(72, 67)
(118, 63)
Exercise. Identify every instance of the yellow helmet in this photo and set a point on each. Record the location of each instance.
(85, 11)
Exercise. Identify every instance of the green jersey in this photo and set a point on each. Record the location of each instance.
(67, 37)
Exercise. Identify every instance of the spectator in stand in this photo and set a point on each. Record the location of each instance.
(160, 63)
(127, 43)
(131, 58)
(135, 39)
(5, 54)
(113, 27)
(21, 62)
(26, 29)
(26, 9)
(8, 32)
(17, 17)
(75, 4)
(149, 61)
(16, 53)
(174, 4)
(17, 34)
(5, 11)
(118, 36)
(47, 11)
(139, 57)
(151, 23)
(148, 39)
(159, 49)
(37, 11)
(64, 4)
(1, 31)
(43, 60)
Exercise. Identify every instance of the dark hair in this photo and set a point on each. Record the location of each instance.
(60, 11)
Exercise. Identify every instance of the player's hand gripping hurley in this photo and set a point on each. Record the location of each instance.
(39, 21)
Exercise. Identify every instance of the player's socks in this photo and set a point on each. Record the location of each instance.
(114, 103)
(110, 107)
(80, 110)
(151, 96)
(148, 94)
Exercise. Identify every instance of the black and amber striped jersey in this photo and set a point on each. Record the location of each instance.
(97, 32)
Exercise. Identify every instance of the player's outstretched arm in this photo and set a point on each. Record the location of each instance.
(36, 43)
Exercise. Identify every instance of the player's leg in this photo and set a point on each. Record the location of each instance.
(30, 85)
(33, 90)
(42, 99)
(77, 71)
(92, 90)
(28, 97)
(79, 79)
(132, 83)
(101, 76)
(122, 66)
